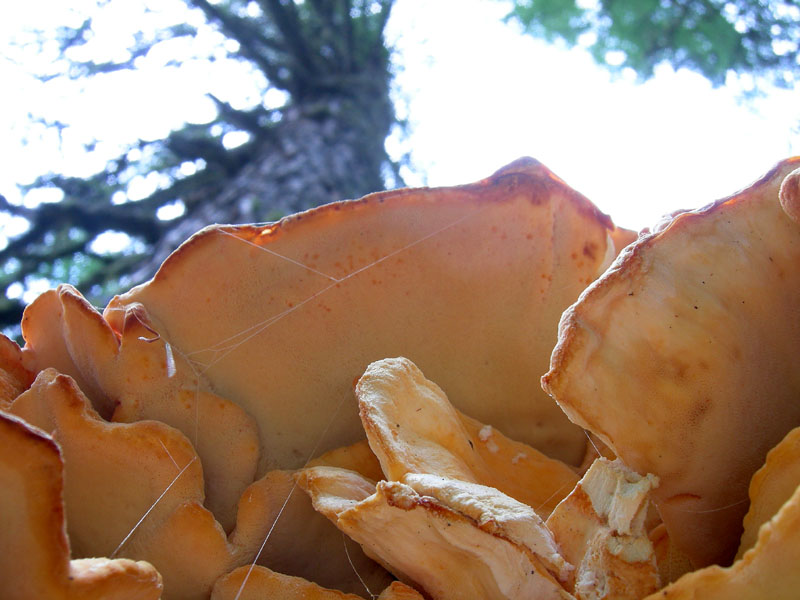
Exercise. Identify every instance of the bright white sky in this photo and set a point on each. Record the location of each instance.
(478, 95)
(489, 95)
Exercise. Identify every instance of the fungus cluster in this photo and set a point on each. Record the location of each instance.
(349, 403)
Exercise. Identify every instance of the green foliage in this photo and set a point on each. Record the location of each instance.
(712, 37)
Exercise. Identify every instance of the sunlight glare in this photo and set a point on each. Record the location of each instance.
(171, 211)
(110, 242)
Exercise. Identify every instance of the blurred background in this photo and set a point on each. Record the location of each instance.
(127, 125)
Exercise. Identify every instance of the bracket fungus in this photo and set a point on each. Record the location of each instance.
(433, 543)
(258, 583)
(682, 358)
(34, 548)
(233, 428)
(768, 570)
(431, 519)
(133, 374)
(468, 282)
(136, 490)
(15, 378)
(413, 428)
(771, 487)
(601, 528)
